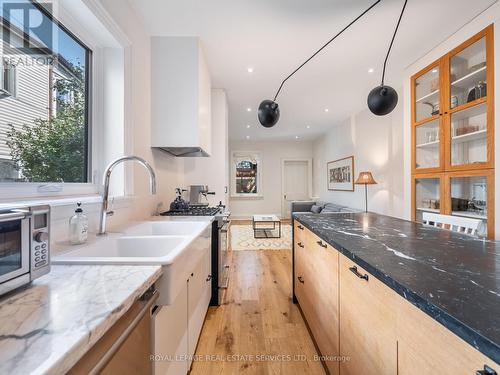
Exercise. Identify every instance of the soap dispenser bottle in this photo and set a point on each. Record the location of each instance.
(78, 226)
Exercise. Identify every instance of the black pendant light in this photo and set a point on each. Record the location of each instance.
(269, 112)
(383, 99)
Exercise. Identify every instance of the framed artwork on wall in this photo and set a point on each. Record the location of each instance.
(340, 174)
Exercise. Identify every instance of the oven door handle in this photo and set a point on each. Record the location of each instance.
(14, 215)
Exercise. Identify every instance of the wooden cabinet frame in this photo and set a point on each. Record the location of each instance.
(439, 117)
(490, 186)
(442, 190)
(445, 171)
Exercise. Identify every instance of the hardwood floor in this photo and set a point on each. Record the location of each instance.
(258, 330)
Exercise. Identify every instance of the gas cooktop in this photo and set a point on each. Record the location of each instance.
(194, 211)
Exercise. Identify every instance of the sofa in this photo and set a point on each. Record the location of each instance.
(319, 207)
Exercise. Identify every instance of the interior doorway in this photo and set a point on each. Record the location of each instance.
(296, 183)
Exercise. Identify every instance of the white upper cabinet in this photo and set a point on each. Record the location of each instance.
(180, 97)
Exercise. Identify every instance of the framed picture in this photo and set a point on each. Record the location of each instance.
(340, 174)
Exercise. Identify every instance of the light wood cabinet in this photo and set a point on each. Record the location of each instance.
(367, 326)
(427, 347)
(317, 292)
(452, 132)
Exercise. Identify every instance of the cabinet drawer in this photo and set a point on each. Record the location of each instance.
(298, 230)
(367, 328)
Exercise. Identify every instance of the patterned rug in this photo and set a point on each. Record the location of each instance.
(242, 239)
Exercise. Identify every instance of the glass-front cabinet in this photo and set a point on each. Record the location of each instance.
(470, 106)
(427, 191)
(427, 145)
(427, 94)
(469, 136)
(468, 73)
(452, 132)
(470, 196)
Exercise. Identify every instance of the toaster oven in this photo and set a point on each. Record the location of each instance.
(24, 245)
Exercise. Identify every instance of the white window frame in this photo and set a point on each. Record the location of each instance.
(9, 87)
(236, 157)
(27, 191)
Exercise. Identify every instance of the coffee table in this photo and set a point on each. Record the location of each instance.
(264, 225)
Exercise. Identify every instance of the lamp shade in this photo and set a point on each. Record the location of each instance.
(365, 178)
(382, 100)
(269, 113)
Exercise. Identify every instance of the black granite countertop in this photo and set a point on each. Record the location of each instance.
(453, 278)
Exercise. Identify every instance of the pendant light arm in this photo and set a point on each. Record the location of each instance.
(331, 40)
(392, 41)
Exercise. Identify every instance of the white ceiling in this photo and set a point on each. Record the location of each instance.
(275, 36)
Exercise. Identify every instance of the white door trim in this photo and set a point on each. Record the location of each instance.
(309, 182)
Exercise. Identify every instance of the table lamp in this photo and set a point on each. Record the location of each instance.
(365, 178)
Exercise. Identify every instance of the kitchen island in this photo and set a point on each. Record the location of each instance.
(452, 278)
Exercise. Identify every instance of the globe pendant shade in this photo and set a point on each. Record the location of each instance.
(269, 113)
(382, 100)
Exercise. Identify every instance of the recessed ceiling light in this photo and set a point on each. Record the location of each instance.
(371, 70)
(250, 70)
(296, 137)
(308, 126)
(248, 126)
(249, 109)
(326, 109)
(247, 137)
(434, 70)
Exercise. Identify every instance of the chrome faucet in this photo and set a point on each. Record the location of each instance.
(107, 176)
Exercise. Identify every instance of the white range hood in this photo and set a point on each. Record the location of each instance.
(180, 97)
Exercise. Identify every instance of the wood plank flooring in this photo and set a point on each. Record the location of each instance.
(258, 330)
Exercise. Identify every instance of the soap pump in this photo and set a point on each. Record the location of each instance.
(78, 226)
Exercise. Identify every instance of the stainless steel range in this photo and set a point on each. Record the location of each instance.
(220, 261)
(194, 211)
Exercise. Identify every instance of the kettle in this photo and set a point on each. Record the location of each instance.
(179, 204)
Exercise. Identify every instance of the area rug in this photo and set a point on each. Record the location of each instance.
(242, 239)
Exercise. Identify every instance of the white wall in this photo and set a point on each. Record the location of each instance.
(490, 16)
(272, 154)
(377, 145)
(138, 115)
(212, 171)
(123, 22)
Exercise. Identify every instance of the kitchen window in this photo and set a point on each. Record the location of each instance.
(246, 175)
(44, 98)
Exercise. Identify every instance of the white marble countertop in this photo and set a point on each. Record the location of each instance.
(47, 326)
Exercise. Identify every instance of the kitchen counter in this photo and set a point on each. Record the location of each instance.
(453, 278)
(47, 326)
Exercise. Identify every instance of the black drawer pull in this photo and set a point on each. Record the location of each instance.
(320, 243)
(300, 227)
(300, 244)
(354, 270)
(209, 277)
(486, 371)
(300, 279)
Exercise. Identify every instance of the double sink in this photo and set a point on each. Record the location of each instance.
(175, 245)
